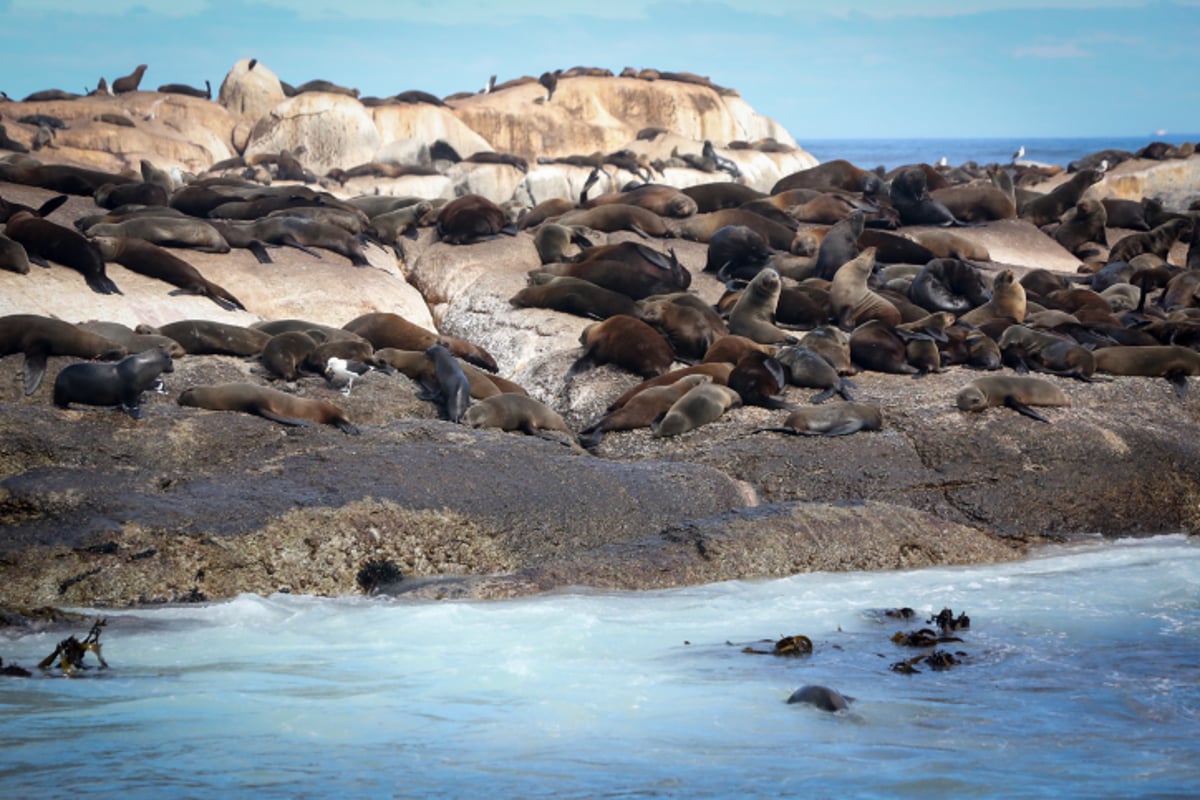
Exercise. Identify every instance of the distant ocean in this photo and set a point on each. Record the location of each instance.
(891, 153)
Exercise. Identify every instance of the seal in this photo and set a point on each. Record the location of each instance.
(304, 233)
(839, 245)
(450, 388)
(13, 256)
(876, 346)
(975, 202)
(631, 268)
(1173, 362)
(702, 227)
(835, 419)
(417, 366)
(1085, 224)
(131, 340)
(553, 240)
(39, 337)
(730, 349)
(753, 316)
(286, 352)
(625, 342)
(642, 410)
(1026, 349)
(51, 241)
(268, 403)
(112, 195)
(718, 371)
(852, 301)
(830, 175)
(821, 697)
(1008, 302)
(910, 195)
(384, 329)
(808, 369)
(690, 325)
(153, 261)
(949, 284)
(666, 201)
(1051, 206)
(1157, 241)
(701, 405)
(515, 412)
(130, 82)
(208, 337)
(574, 296)
(1018, 392)
(185, 89)
(618, 217)
(716, 195)
(947, 244)
(1127, 214)
(736, 252)
(759, 379)
(115, 384)
(173, 231)
(472, 218)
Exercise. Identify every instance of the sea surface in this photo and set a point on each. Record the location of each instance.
(1078, 678)
(892, 153)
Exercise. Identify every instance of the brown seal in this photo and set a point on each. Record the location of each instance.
(821, 697)
(1157, 241)
(642, 410)
(666, 201)
(808, 369)
(384, 329)
(1008, 302)
(626, 342)
(575, 296)
(852, 301)
(472, 218)
(839, 245)
(130, 82)
(721, 194)
(13, 256)
(1026, 349)
(543, 211)
(690, 325)
(618, 217)
(876, 346)
(949, 284)
(156, 262)
(753, 316)
(702, 227)
(515, 412)
(699, 406)
(835, 419)
(268, 403)
(417, 365)
(117, 384)
(131, 340)
(1085, 223)
(718, 371)
(208, 337)
(631, 268)
(174, 231)
(39, 337)
(947, 244)
(1173, 362)
(553, 241)
(1051, 206)
(303, 233)
(730, 348)
(51, 241)
(286, 352)
(760, 380)
(976, 202)
(836, 174)
(59, 177)
(1018, 392)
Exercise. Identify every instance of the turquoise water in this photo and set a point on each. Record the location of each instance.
(1079, 679)
(891, 153)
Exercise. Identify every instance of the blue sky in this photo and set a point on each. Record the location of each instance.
(858, 69)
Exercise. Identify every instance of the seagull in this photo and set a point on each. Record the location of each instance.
(1103, 166)
(1019, 154)
(341, 373)
(943, 162)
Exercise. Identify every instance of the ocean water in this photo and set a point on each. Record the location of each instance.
(1078, 678)
(892, 153)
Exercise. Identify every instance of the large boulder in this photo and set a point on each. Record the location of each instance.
(334, 130)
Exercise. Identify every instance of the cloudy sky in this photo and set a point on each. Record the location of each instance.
(858, 69)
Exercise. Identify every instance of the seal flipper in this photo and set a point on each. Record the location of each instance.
(47, 208)
(260, 252)
(35, 369)
(282, 420)
(1021, 408)
(1180, 382)
(346, 427)
(102, 284)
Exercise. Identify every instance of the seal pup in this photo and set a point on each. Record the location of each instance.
(53, 242)
(286, 352)
(753, 315)
(516, 412)
(949, 284)
(268, 403)
(626, 342)
(690, 325)
(39, 337)
(701, 405)
(1008, 302)
(450, 388)
(13, 256)
(808, 369)
(1018, 392)
(834, 419)
(643, 409)
(839, 245)
(113, 384)
(821, 697)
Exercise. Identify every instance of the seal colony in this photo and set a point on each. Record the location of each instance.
(723, 324)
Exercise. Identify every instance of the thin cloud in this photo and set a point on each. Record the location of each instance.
(1063, 50)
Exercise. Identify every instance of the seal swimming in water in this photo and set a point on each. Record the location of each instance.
(268, 403)
(821, 697)
(112, 384)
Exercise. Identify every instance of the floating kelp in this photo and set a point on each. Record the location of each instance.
(948, 623)
(788, 646)
(70, 651)
(938, 660)
(924, 637)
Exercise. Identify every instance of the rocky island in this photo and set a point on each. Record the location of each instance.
(183, 504)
